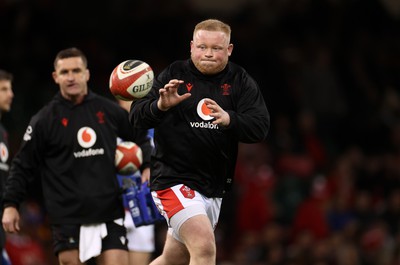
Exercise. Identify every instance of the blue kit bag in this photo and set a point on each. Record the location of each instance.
(138, 200)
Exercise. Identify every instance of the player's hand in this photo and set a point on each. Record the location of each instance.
(222, 117)
(169, 96)
(11, 220)
(146, 175)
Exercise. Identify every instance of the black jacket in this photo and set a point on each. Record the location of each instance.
(189, 149)
(72, 147)
(4, 168)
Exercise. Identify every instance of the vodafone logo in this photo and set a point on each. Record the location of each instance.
(203, 111)
(3, 157)
(86, 137)
(3, 152)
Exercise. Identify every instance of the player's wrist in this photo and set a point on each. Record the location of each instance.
(160, 107)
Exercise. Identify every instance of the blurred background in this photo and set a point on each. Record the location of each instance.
(324, 188)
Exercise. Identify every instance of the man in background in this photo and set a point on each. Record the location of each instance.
(6, 97)
(71, 142)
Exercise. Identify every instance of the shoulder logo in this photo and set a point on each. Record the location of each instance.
(28, 132)
(86, 137)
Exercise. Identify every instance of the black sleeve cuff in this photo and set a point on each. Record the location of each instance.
(155, 111)
(10, 204)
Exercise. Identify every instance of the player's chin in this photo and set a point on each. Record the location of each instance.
(5, 108)
(209, 70)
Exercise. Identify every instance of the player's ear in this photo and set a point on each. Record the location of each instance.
(87, 74)
(191, 45)
(55, 77)
(230, 49)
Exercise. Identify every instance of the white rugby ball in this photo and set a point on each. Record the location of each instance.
(131, 79)
(128, 158)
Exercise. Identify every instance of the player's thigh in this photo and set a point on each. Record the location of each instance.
(175, 252)
(69, 257)
(197, 233)
(113, 257)
(139, 258)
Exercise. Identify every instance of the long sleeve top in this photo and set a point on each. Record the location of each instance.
(189, 149)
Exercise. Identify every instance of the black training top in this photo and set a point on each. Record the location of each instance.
(4, 167)
(72, 147)
(4, 157)
(189, 149)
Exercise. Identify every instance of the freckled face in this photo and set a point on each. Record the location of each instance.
(210, 51)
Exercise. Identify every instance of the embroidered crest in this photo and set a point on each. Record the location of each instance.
(64, 121)
(226, 89)
(187, 192)
(100, 116)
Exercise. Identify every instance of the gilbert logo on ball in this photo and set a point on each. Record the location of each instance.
(131, 79)
(128, 158)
